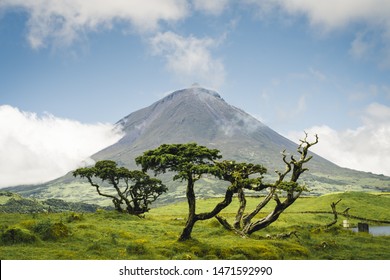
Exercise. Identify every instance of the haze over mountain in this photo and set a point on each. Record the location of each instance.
(200, 115)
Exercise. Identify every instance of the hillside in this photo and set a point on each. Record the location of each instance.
(110, 235)
(14, 203)
(202, 116)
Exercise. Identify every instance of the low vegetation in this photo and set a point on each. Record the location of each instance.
(310, 228)
(15, 203)
(113, 235)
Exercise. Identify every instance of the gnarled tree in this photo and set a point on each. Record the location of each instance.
(244, 224)
(189, 161)
(134, 189)
(241, 175)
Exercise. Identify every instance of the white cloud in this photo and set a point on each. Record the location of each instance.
(325, 16)
(190, 58)
(364, 148)
(63, 21)
(215, 7)
(332, 14)
(36, 149)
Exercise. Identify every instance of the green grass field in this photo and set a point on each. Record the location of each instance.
(110, 235)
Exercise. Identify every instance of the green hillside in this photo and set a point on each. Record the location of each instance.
(109, 235)
(15, 203)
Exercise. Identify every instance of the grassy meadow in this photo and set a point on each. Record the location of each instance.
(111, 235)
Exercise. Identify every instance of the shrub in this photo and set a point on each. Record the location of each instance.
(51, 231)
(28, 224)
(16, 236)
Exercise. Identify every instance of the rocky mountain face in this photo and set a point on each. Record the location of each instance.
(196, 115)
(202, 116)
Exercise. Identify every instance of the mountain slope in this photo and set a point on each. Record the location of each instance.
(195, 115)
(202, 116)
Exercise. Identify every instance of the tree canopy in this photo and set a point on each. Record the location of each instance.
(133, 191)
(189, 161)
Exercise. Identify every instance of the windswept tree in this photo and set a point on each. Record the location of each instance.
(241, 176)
(189, 162)
(290, 189)
(133, 190)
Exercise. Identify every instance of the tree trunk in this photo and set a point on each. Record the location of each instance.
(191, 219)
(186, 233)
(248, 218)
(271, 217)
(219, 207)
(263, 223)
(241, 209)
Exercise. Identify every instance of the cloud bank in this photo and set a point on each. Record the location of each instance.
(61, 22)
(364, 148)
(36, 149)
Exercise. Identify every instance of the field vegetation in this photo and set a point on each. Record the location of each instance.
(107, 234)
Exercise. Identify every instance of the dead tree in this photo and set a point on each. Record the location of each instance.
(333, 206)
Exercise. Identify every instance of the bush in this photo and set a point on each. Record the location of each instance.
(17, 235)
(51, 231)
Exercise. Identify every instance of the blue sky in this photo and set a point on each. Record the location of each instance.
(323, 67)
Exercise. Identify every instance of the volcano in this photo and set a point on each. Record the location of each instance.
(201, 115)
(196, 115)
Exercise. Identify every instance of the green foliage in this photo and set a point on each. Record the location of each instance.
(48, 230)
(58, 205)
(135, 189)
(184, 159)
(21, 205)
(240, 174)
(16, 235)
(14, 203)
(291, 187)
(189, 162)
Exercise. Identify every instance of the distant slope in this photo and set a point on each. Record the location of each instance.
(14, 203)
(202, 116)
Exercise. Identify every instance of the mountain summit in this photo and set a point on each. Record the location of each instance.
(196, 115)
(200, 115)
